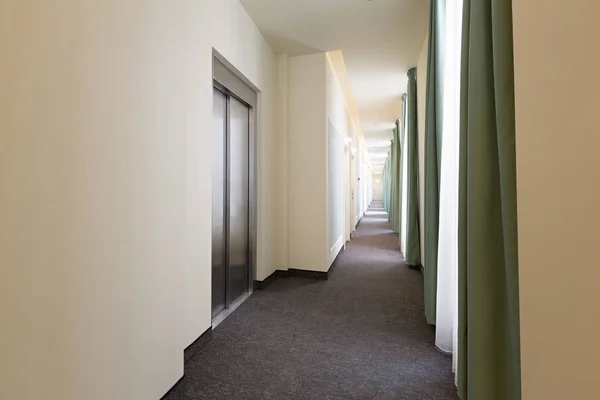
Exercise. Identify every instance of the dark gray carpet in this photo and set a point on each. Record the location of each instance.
(360, 335)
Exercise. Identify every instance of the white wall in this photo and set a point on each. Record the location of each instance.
(282, 151)
(421, 97)
(558, 173)
(335, 191)
(366, 181)
(307, 163)
(359, 185)
(369, 188)
(315, 97)
(105, 189)
(338, 114)
(243, 45)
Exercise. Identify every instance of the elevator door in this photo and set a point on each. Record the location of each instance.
(230, 214)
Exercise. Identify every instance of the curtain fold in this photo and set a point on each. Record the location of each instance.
(489, 343)
(402, 179)
(433, 152)
(446, 332)
(389, 191)
(398, 169)
(383, 176)
(395, 164)
(384, 187)
(387, 185)
(412, 255)
(393, 213)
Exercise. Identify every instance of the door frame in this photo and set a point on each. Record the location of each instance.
(231, 82)
(347, 195)
(353, 190)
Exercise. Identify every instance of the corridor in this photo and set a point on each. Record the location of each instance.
(359, 335)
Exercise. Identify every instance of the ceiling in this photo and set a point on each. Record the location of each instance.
(379, 39)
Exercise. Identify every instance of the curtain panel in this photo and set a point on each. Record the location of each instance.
(402, 174)
(488, 332)
(412, 254)
(393, 214)
(433, 152)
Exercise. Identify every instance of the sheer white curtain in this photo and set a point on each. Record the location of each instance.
(404, 204)
(447, 289)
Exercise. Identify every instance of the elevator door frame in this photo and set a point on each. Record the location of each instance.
(230, 82)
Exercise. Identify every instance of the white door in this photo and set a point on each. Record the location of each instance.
(348, 194)
(377, 189)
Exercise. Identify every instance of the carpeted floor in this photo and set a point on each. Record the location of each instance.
(359, 335)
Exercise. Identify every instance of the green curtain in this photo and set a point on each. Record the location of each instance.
(398, 174)
(393, 214)
(395, 164)
(389, 180)
(433, 152)
(489, 343)
(413, 246)
(389, 168)
(386, 186)
(383, 186)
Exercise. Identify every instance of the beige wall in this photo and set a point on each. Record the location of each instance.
(282, 150)
(105, 180)
(314, 98)
(421, 97)
(558, 172)
(307, 163)
(338, 114)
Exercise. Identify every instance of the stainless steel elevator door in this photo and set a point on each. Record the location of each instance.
(219, 261)
(230, 210)
(238, 199)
